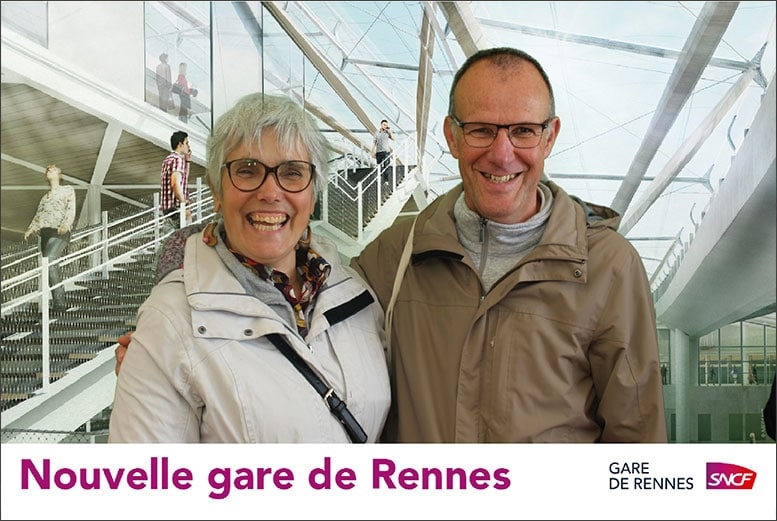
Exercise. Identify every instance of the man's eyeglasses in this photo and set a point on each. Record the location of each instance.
(483, 135)
(249, 174)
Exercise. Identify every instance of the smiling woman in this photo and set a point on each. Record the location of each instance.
(203, 364)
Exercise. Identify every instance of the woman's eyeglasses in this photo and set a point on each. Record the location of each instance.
(249, 174)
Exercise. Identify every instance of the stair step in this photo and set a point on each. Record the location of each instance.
(33, 351)
(99, 311)
(82, 356)
(14, 396)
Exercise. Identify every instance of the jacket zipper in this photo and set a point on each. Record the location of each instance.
(483, 244)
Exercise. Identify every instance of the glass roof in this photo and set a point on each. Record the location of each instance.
(612, 66)
(654, 98)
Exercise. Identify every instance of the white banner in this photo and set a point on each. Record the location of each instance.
(287, 481)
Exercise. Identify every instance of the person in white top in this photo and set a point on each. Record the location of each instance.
(53, 222)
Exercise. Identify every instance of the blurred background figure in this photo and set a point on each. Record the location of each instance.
(381, 149)
(769, 412)
(164, 83)
(185, 92)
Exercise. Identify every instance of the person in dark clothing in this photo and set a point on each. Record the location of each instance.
(381, 149)
(769, 412)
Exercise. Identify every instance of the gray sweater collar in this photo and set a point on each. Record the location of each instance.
(503, 238)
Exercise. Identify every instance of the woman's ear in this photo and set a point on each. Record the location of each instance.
(216, 200)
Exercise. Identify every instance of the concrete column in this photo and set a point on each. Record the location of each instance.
(92, 213)
(682, 380)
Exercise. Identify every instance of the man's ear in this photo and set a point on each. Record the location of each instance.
(554, 126)
(447, 127)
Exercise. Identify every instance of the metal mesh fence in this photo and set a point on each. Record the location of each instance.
(46, 436)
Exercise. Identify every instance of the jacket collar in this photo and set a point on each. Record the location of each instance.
(435, 232)
(211, 287)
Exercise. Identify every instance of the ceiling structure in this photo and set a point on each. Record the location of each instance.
(655, 98)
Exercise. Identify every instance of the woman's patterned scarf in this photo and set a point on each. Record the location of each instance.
(312, 268)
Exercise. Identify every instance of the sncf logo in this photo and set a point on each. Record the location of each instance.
(729, 476)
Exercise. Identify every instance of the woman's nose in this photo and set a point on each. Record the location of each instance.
(270, 188)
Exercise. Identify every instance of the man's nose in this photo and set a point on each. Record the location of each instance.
(502, 148)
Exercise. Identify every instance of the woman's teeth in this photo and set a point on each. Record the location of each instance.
(267, 223)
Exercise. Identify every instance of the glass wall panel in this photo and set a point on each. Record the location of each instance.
(29, 19)
(709, 366)
(754, 360)
(178, 53)
(753, 334)
(731, 364)
(749, 361)
(730, 335)
(237, 52)
(283, 61)
(769, 365)
(710, 339)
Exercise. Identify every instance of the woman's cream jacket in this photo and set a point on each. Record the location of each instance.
(199, 368)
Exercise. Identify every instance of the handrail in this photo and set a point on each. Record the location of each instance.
(100, 248)
(123, 233)
(95, 241)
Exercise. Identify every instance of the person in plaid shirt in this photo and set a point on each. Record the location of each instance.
(175, 179)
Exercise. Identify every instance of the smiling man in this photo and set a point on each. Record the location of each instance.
(522, 315)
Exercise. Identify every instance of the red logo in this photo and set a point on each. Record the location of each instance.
(729, 476)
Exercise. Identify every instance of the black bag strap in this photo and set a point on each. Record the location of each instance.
(336, 406)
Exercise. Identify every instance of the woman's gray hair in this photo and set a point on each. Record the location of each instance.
(295, 128)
